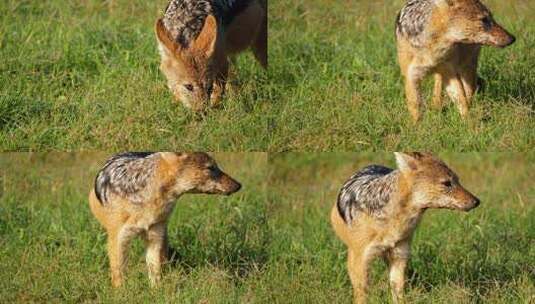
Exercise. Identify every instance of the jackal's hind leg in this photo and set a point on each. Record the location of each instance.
(118, 242)
(357, 266)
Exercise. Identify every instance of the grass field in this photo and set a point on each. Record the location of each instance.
(485, 256)
(269, 243)
(84, 75)
(339, 87)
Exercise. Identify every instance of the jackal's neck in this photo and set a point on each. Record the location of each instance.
(406, 196)
(401, 217)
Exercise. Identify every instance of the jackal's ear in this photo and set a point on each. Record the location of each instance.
(166, 44)
(173, 157)
(444, 2)
(408, 161)
(206, 40)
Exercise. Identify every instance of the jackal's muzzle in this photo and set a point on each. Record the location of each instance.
(500, 37)
(228, 185)
(471, 204)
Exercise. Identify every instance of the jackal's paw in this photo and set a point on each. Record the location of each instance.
(464, 113)
(416, 117)
(154, 280)
(116, 282)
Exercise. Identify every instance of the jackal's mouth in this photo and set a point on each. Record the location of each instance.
(510, 41)
(227, 191)
(468, 207)
(503, 42)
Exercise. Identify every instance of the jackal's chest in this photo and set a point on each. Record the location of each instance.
(428, 58)
(153, 214)
(397, 230)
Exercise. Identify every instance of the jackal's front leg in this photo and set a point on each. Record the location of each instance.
(397, 260)
(413, 80)
(220, 83)
(437, 92)
(470, 82)
(357, 266)
(156, 242)
(468, 70)
(456, 91)
(260, 44)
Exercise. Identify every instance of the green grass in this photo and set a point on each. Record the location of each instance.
(84, 75)
(484, 256)
(339, 86)
(269, 243)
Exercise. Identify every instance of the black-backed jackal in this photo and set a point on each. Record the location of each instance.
(135, 193)
(196, 39)
(444, 38)
(378, 209)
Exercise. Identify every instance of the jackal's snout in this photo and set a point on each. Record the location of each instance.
(472, 203)
(229, 185)
(467, 201)
(501, 37)
(215, 181)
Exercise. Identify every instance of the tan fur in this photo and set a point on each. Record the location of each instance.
(390, 238)
(451, 53)
(205, 64)
(176, 174)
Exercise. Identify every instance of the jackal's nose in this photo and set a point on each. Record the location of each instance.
(235, 188)
(476, 202)
(512, 40)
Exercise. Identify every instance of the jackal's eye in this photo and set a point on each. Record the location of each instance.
(214, 171)
(447, 184)
(209, 89)
(487, 23)
(189, 87)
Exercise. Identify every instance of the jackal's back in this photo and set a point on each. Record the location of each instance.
(412, 19)
(367, 191)
(184, 19)
(125, 175)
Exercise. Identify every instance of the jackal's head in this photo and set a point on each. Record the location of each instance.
(432, 184)
(199, 173)
(469, 21)
(190, 70)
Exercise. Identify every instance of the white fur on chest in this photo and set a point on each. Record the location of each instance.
(393, 234)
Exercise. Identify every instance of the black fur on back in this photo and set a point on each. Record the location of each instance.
(368, 191)
(121, 176)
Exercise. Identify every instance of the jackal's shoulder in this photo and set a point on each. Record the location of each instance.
(184, 19)
(126, 175)
(413, 18)
(368, 190)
